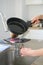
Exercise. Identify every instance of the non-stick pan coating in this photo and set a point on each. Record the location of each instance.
(16, 25)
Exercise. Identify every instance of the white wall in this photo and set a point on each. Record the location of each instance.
(10, 8)
(34, 10)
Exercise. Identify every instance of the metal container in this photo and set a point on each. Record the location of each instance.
(14, 56)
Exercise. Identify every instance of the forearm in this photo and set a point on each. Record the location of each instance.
(41, 17)
(38, 52)
(30, 52)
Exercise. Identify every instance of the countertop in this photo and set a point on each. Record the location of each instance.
(39, 61)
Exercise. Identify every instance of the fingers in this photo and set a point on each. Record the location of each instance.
(22, 46)
(25, 51)
(21, 52)
(35, 20)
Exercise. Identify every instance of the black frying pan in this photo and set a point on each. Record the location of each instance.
(17, 25)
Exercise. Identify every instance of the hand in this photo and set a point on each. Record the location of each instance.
(36, 19)
(26, 52)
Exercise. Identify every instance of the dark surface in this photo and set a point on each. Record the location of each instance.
(16, 25)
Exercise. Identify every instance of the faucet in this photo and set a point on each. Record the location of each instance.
(4, 21)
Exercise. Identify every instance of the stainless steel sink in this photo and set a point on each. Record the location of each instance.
(15, 56)
(4, 54)
(16, 59)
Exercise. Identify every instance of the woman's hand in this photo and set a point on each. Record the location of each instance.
(35, 20)
(26, 52)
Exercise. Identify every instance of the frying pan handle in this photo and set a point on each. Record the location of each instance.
(29, 24)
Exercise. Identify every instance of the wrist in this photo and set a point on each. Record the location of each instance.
(33, 53)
